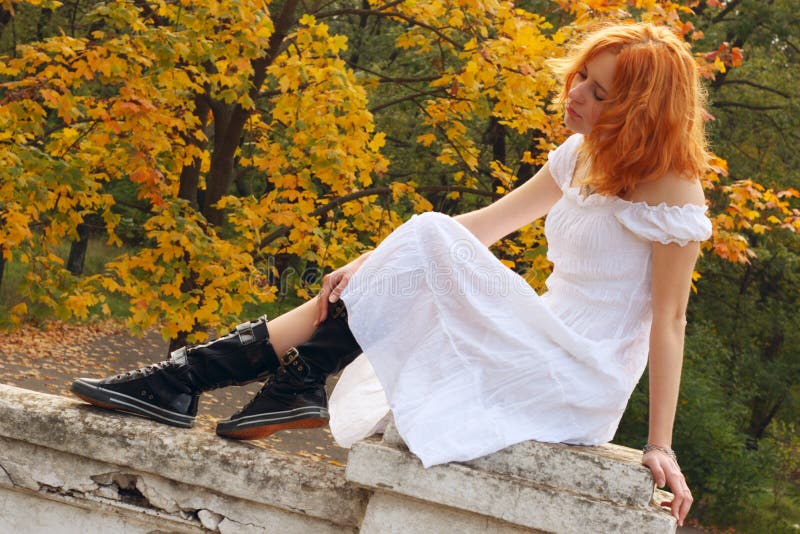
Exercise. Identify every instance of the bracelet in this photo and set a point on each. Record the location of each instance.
(666, 450)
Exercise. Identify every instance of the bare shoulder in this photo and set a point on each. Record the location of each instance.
(671, 189)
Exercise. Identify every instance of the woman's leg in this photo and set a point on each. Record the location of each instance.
(296, 397)
(293, 327)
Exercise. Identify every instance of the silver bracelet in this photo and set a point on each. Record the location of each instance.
(666, 450)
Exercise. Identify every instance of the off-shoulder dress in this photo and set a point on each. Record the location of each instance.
(470, 360)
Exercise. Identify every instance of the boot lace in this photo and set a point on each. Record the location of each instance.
(144, 371)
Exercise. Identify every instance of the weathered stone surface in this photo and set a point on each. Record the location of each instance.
(243, 470)
(229, 527)
(510, 499)
(608, 472)
(32, 466)
(393, 514)
(210, 520)
(85, 483)
(5, 479)
(393, 438)
(41, 513)
(81, 469)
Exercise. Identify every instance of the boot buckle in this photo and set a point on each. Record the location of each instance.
(288, 357)
(179, 356)
(245, 333)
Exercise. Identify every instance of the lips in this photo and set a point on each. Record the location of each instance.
(571, 112)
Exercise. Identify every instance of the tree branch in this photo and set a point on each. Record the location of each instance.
(727, 104)
(282, 231)
(388, 79)
(400, 99)
(728, 8)
(757, 86)
(387, 14)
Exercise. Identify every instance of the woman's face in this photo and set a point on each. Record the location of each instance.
(590, 87)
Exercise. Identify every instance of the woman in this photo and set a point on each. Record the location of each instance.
(467, 357)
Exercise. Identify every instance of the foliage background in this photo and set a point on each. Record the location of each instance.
(222, 155)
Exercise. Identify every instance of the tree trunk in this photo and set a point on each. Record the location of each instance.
(77, 251)
(761, 415)
(45, 15)
(190, 174)
(5, 18)
(187, 286)
(526, 170)
(177, 342)
(496, 136)
(230, 120)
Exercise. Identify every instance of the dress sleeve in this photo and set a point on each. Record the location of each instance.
(666, 224)
(562, 160)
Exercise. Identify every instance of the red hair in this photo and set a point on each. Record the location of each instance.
(654, 118)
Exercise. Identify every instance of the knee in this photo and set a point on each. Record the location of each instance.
(431, 217)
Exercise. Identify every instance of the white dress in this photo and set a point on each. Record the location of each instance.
(471, 360)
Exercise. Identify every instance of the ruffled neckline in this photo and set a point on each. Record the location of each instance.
(599, 199)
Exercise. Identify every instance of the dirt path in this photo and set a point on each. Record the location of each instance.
(49, 358)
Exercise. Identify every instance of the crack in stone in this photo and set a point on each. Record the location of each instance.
(8, 476)
(240, 523)
(125, 487)
(120, 487)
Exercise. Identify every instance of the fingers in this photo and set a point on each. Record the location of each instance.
(322, 300)
(681, 504)
(665, 470)
(332, 286)
(340, 285)
(683, 498)
(685, 506)
(651, 461)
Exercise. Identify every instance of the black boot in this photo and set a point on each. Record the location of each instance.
(295, 396)
(168, 391)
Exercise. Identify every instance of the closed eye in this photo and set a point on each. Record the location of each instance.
(583, 75)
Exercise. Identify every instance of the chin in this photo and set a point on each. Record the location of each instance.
(574, 125)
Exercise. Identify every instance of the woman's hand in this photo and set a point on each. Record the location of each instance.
(334, 283)
(666, 471)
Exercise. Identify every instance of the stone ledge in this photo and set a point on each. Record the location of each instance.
(190, 457)
(605, 472)
(536, 487)
(80, 468)
(82, 486)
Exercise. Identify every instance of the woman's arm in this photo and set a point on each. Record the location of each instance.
(672, 276)
(523, 205)
(670, 287)
(520, 207)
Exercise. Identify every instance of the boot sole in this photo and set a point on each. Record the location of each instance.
(113, 400)
(262, 426)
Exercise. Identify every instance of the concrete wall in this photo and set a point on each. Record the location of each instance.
(67, 467)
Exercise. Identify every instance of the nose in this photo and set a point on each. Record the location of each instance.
(576, 92)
